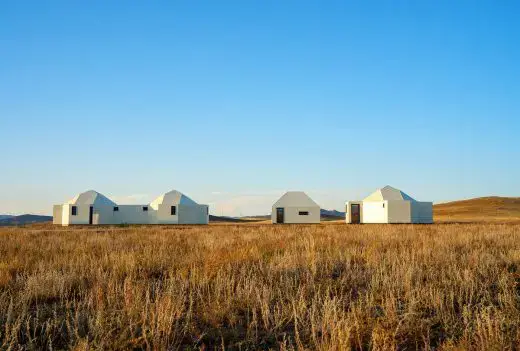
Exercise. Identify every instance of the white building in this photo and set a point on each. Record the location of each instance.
(389, 205)
(295, 207)
(92, 207)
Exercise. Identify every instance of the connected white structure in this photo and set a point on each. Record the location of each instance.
(92, 207)
(295, 207)
(389, 205)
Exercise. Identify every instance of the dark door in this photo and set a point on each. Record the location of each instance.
(355, 214)
(90, 214)
(279, 215)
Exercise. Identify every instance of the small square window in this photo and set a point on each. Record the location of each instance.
(145, 208)
(173, 210)
(303, 213)
(74, 210)
(116, 209)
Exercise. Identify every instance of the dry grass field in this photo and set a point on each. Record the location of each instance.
(483, 209)
(325, 287)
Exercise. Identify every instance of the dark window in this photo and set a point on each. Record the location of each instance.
(116, 209)
(173, 210)
(303, 213)
(145, 208)
(383, 205)
(74, 210)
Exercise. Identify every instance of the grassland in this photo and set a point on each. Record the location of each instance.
(326, 287)
(483, 209)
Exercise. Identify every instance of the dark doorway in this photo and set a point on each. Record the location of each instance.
(355, 214)
(279, 215)
(90, 214)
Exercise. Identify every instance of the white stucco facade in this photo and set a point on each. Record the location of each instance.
(94, 208)
(389, 205)
(295, 207)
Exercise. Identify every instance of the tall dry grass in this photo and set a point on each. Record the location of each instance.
(325, 287)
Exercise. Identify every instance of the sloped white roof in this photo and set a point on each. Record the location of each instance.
(173, 197)
(295, 199)
(388, 193)
(91, 197)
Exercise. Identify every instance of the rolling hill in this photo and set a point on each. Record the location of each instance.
(224, 219)
(24, 219)
(482, 209)
(331, 215)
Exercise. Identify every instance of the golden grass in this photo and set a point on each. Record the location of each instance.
(325, 287)
(483, 209)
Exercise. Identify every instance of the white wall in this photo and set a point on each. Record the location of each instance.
(65, 214)
(291, 215)
(133, 214)
(375, 212)
(57, 214)
(393, 211)
(103, 213)
(399, 211)
(164, 215)
(193, 214)
(422, 212)
(82, 214)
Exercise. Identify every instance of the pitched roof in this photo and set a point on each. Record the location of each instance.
(295, 199)
(173, 197)
(91, 197)
(388, 193)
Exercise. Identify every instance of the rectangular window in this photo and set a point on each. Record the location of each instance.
(303, 213)
(173, 210)
(145, 208)
(74, 210)
(116, 209)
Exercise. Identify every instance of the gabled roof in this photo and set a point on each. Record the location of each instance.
(173, 197)
(91, 197)
(388, 193)
(295, 199)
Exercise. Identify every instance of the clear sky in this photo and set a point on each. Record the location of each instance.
(235, 102)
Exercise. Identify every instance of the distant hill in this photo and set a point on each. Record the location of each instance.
(217, 219)
(492, 209)
(24, 219)
(5, 216)
(332, 214)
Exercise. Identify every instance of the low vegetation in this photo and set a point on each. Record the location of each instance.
(246, 286)
(482, 209)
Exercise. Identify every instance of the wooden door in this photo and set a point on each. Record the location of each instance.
(91, 215)
(355, 213)
(280, 215)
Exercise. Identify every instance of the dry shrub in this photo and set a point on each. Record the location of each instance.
(325, 287)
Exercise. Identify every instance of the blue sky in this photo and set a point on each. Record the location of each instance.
(235, 102)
